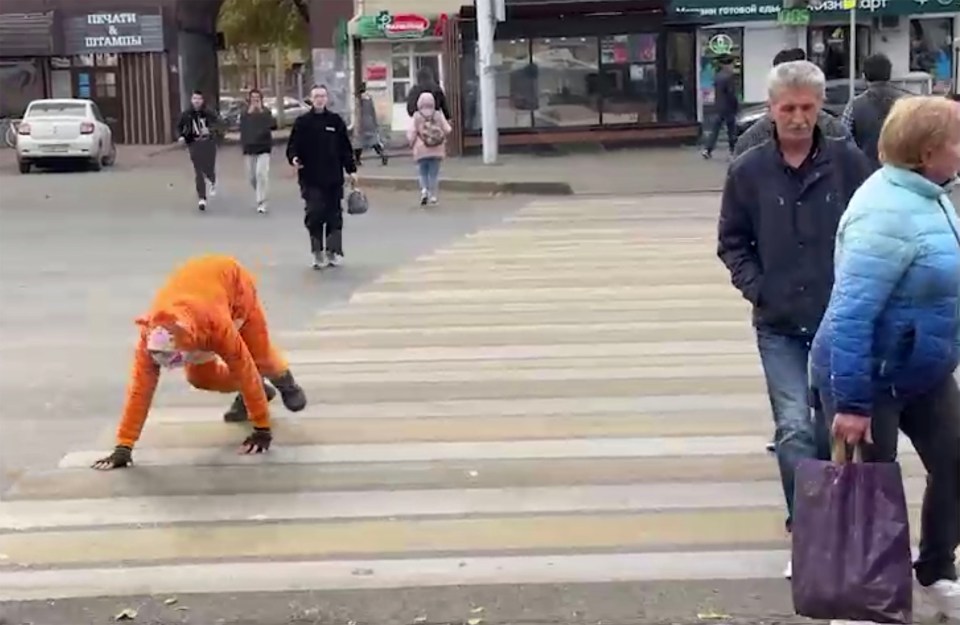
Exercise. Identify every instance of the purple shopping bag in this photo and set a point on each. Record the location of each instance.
(851, 541)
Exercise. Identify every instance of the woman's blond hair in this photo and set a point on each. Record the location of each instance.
(915, 126)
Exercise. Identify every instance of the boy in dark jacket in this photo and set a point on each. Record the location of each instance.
(256, 137)
(319, 148)
(197, 128)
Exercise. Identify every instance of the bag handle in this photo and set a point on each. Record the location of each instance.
(840, 452)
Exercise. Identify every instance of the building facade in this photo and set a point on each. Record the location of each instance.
(919, 36)
(612, 71)
(137, 59)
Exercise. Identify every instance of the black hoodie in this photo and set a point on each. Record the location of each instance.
(321, 142)
(193, 120)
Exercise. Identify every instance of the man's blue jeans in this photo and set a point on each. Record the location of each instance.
(801, 427)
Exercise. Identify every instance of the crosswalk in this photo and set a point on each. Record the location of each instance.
(573, 396)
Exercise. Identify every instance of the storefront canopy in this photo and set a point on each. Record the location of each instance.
(749, 10)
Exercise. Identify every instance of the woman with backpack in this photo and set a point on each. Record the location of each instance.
(428, 138)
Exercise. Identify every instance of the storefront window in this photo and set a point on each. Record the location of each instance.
(408, 60)
(715, 43)
(629, 79)
(517, 84)
(829, 48)
(567, 76)
(931, 51)
(106, 84)
(681, 76)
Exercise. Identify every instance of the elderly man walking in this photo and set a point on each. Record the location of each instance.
(781, 204)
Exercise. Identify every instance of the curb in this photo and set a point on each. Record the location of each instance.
(489, 187)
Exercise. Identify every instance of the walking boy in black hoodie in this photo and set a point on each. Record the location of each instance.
(319, 148)
(196, 128)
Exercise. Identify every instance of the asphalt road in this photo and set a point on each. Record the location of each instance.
(82, 253)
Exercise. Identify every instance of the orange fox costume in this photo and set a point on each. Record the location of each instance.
(210, 310)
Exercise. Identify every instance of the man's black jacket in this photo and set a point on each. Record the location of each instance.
(438, 97)
(193, 120)
(321, 141)
(777, 228)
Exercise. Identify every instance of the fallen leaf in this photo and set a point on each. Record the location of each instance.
(477, 610)
(420, 619)
(475, 621)
(127, 615)
(170, 601)
(712, 616)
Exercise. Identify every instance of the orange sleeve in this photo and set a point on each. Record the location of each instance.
(228, 344)
(143, 384)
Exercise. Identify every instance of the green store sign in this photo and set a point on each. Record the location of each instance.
(750, 10)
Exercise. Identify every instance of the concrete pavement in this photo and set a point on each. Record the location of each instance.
(579, 439)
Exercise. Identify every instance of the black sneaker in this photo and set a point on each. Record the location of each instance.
(237, 413)
(706, 154)
(294, 399)
(202, 205)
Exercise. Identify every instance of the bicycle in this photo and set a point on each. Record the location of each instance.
(9, 128)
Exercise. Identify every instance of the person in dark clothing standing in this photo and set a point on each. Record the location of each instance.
(727, 104)
(781, 205)
(427, 82)
(865, 114)
(319, 148)
(256, 138)
(197, 129)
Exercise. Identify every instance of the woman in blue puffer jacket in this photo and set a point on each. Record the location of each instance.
(884, 356)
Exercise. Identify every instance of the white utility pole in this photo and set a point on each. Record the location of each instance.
(853, 50)
(486, 18)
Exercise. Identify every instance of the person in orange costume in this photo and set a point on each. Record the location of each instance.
(208, 319)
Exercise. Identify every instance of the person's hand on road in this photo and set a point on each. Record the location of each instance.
(121, 457)
(852, 429)
(353, 179)
(258, 442)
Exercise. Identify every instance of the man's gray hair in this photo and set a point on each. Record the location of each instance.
(796, 75)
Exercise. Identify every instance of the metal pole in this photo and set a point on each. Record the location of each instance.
(853, 51)
(488, 85)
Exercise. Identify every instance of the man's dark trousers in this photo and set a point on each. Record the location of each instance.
(723, 118)
(324, 217)
(203, 155)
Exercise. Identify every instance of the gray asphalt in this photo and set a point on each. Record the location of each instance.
(82, 253)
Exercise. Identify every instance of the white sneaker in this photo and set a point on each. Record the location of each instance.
(334, 259)
(262, 208)
(424, 197)
(320, 260)
(945, 597)
(434, 200)
(788, 572)
(211, 189)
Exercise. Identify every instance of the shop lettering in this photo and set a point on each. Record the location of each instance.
(837, 5)
(110, 19)
(118, 41)
(744, 9)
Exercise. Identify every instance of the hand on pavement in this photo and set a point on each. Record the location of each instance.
(258, 442)
(120, 458)
(353, 179)
(852, 429)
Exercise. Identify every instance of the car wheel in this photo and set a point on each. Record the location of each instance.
(24, 166)
(111, 159)
(96, 163)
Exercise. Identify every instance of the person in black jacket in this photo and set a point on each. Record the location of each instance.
(197, 128)
(427, 82)
(781, 207)
(727, 103)
(256, 139)
(865, 114)
(319, 148)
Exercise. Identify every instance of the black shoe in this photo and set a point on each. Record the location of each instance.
(384, 159)
(706, 154)
(291, 393)
(202, 205)
(237, 413)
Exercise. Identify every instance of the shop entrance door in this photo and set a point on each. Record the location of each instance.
(829, 48)
(95, 78)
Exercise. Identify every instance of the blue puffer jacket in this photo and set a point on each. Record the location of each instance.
(892, 322)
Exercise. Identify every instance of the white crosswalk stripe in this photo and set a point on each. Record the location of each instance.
(571, 397)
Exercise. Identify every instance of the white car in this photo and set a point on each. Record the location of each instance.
(58, 130)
